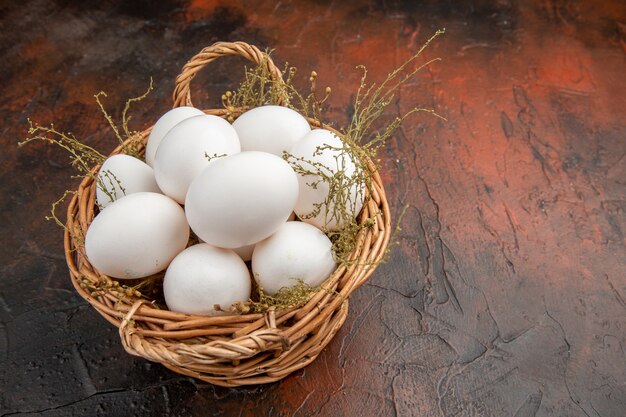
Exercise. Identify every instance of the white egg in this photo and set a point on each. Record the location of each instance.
(188, 148)
(163, 125)
(273, 129)
(325, 149)
(136, 236)
(296, 251)
(203, 276)
(122, 175)
(241, 199)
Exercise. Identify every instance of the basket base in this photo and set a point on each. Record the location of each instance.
(266, 367)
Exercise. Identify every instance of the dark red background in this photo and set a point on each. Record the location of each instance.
(505, 295)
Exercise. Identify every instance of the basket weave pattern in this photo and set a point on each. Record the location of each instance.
(230, 350)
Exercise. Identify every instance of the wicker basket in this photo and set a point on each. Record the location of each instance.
(238, 349)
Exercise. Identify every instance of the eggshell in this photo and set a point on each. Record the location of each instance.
(272, 129)
(188, 148)
(296, 251)
(314, 192)
(122, 175)
(136, 236)
(202, 276)
(163, 125)
(241, 199)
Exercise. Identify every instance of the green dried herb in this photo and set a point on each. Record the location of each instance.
(362, 138)
(292, 296)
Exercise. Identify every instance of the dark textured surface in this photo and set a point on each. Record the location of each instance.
(506, 295)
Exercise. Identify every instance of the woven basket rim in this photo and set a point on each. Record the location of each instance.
(230, 350)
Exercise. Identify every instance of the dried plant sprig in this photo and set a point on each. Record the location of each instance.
(76, 233)
(108, 117)
(372, 100)
(126, 117)
(292, 296)
(345, 190)
(287, 297)
(104, 285)
(214, 156)
(311, 105)
(362, 139)
(395, 232)
(53, 214)
(108, 183)
(130, 141)
(83, 157)
(259, 88)
(346, 239)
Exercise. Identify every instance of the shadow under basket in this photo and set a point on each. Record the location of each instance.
(229, 350)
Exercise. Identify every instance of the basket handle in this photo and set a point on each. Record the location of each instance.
(182, 95)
